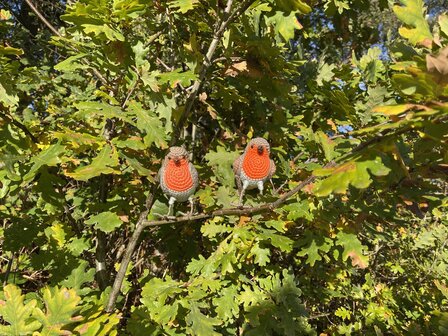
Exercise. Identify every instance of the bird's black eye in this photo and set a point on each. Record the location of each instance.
(169, 157)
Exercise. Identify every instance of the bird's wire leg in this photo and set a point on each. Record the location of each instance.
(243, 189)
(274, 191)
(260, 187)
(171, 206)
(190, 199)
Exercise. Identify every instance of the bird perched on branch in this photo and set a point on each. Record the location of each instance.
(254, 167)
(178, 178)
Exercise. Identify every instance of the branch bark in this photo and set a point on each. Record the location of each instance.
(143, 223)
(130, 250)
(16, 123)
(56, 32)
(220, 28)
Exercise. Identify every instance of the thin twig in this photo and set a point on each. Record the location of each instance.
(8, 269)
(130, 250)
(142, 223)
(56, 32)
(131, 89)
(16, 123)
(207, 62)
(42, 18)
(153, 38)
(236, 211)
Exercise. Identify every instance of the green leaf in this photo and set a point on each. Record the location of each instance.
(213, 227)
(343, 313)
(293, 5)
(300, 209)
(226, 305)
(177, 76)
(327, 145)
(279, 241)
(183, 6)
(101, 109)
(150, 124)
(99, 323)
(16, 314)
(393, 109)
(104, 163)
(353, 249)
(60, 306)
(350, 173)
(285, 25)
(412, 14)
(199, 324)
(10, 51)
(47, 157)
(325, 73)
(261, 255)
(443, 22)
(134, 143)
(77, 246)
(71, 64)
(159, 290)
(371, 65)
(105, 221)
(78, 277)
(103, 31)
(221, 163)
(7, 97)
(418, 85)
(79, 139)
(138, 167)
(313, 247)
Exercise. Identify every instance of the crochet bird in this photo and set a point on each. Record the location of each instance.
(178, 178)
(254, 167)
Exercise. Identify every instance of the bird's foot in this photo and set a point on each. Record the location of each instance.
(188, 214)
(164, 217)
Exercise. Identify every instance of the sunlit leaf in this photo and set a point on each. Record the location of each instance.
(411, 13)
(105, 221)
(16, 313)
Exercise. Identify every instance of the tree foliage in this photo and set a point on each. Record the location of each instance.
(352, 96)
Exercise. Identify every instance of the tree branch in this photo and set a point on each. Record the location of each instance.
(207, 62)
(16, 123)
(142, 223)
(42, 18)
(130, 250)
(56, 32)
(238, 211)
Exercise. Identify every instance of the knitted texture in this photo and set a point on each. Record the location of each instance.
(254, 164)
(178, 177)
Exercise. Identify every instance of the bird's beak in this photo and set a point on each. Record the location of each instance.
(260, 149)
(177, 161)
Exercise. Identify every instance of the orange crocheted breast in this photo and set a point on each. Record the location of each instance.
(256, 166)
(178, 177)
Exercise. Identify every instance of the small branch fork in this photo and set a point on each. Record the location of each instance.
(142, 223)
(6, 117)
(219, 30)
(130, 250)
(102, 79)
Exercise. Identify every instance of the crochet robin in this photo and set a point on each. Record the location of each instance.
(254, 167)
(178, 178)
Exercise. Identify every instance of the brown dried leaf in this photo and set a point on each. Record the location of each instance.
(202, 97)
(357, 260)
(438, 63)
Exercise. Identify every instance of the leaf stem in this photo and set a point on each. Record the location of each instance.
(207, 62)
(130, 250)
